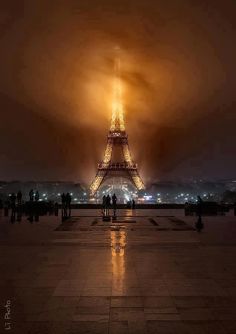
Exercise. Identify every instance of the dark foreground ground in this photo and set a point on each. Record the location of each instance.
(148, 272)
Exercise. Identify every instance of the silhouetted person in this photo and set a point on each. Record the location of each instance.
(186, 208)
(19, 198)
(13, 199)
(31, 195)
(31, 209)
(114, 200)
(63, 205)
(36, 213)
(50, 208)
(108, 204)
(68, 203)
(37, 196)
(199, 206)
(13, 207)
(133, 204)
(199, 224)
(56, 208)
(104, 201)
(128, 204)
(63, 199)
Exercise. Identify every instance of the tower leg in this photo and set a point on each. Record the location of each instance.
(136, 179)
(126, 152)
(108, 152)
(96, 183)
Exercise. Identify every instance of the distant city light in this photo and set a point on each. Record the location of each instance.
(165, 194)
(147, 197)
(126, 197)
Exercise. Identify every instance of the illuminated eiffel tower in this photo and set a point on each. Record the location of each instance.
(117, 140)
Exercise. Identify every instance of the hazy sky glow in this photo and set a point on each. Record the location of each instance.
(179, 77)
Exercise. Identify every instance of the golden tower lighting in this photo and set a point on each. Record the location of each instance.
(117, 136)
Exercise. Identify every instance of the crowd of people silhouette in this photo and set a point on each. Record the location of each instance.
(35, 207)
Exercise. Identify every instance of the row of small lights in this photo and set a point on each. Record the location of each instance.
(145, 197)
(44, 195)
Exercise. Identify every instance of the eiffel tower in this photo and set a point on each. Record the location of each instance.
(113, 165)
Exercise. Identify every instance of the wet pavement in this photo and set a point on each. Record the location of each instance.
(147, 272)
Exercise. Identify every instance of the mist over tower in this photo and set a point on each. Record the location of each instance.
(117, 118)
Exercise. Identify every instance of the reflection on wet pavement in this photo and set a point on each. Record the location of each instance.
(118, 243)
(152, 273)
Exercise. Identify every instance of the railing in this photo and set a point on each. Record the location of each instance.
(118, 134)
(117, 166)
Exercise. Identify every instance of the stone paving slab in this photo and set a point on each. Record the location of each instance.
(157, 276)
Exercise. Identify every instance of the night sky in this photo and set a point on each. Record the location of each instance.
(179, 78)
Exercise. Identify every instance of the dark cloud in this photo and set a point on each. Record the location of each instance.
(178, 61)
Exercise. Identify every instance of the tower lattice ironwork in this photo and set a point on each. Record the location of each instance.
(117, 137)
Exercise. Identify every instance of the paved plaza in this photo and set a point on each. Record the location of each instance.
(149, 271)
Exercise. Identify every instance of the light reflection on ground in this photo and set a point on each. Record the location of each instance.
(118, 244)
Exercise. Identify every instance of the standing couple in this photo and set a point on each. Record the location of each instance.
(106, 204)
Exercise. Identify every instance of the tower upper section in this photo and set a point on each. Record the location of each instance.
(117, 117)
